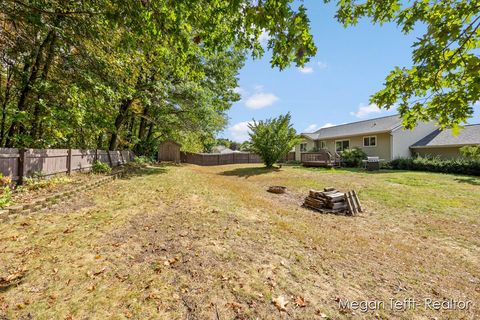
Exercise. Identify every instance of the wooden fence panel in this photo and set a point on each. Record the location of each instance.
(18, 163)
(215, 159)
(82, 160)
(102, 156)
(45, 161)
(9, 162)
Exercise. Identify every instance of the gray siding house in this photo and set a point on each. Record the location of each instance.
(386, 138)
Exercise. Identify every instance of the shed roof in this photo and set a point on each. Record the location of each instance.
(469, 135)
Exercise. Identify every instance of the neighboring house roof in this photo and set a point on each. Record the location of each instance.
(227, 150)
(469, 135)
(378, 125)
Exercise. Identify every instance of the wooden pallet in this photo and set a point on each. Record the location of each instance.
(353, 203)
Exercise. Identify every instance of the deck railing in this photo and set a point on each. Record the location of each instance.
(317, 157)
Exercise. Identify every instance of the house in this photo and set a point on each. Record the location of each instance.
(384, 137)
(445, 144)
(223, 150)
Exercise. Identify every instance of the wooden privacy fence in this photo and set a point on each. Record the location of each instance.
(21, 163)
(215, 159)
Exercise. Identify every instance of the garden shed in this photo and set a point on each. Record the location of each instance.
(169, 151)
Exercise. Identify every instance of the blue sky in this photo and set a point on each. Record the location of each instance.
(334, 88)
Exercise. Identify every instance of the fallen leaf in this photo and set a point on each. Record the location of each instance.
(11, 279)
(300, 302)
(280, 303)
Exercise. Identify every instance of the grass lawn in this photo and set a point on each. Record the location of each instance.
(189, 242)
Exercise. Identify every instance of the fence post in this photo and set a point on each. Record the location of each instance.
(96, 155)
(21, 165)
(121, 156)
(69, 161)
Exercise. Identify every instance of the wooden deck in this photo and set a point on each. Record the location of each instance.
(319, 159)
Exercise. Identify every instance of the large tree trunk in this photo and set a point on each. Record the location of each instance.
(6, 98)
(46, 68)
(143, 123)
(26, 89)
(122, 115)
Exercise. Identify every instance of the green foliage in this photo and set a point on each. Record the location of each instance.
(143, 160)
(101, 167)
(127, 74)
(444, 82)
(470, 152)
(272, 139)
(38, 180)
(459, 166)
(353, 157)
(246, 146)
(5, 191)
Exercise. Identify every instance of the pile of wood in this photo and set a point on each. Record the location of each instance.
(332, 201)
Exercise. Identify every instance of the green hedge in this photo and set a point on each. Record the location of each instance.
(460, 166)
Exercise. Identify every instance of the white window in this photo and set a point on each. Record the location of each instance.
(323, 145)
(303, 147)
(341, 145)
(370, 141)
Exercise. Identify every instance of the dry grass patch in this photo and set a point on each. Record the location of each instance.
(209, 242)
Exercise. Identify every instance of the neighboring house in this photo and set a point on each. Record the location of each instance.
(446, 145)
(383, 137)
(222, 149)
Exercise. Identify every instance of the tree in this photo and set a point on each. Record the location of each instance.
(273, 138)
(444, 82)
(127, 73)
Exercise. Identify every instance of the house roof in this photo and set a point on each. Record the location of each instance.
(469, 135)
(377, 125)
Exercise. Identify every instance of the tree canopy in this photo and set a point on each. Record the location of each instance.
(444, 82)
(273, 138)
(126, 73)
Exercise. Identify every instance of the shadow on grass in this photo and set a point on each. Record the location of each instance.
(472, 180)
(138, 171)
(248, 172)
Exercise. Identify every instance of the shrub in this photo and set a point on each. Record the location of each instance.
(435, 164)
(273, 138)
(471, 152)
(38, 180)
(101, 167)
(143, 160)
(5, 191)
(353, 157)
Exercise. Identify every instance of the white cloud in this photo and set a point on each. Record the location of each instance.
(322, 65)
(306, 69)
(327, 125)
(311, 128)
(258, 87)
(365, 110)
(242, 92)
(314, 127)
(261, 100)
(264, 37)
(239, 131)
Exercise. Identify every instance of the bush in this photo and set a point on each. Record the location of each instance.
(5, 191)
(101, 167)
(353, 157)
(38, 180)
(471, 152)
(143, 160)
(459, 166)
(273, 138)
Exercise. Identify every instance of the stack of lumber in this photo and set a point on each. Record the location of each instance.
(332, 201)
